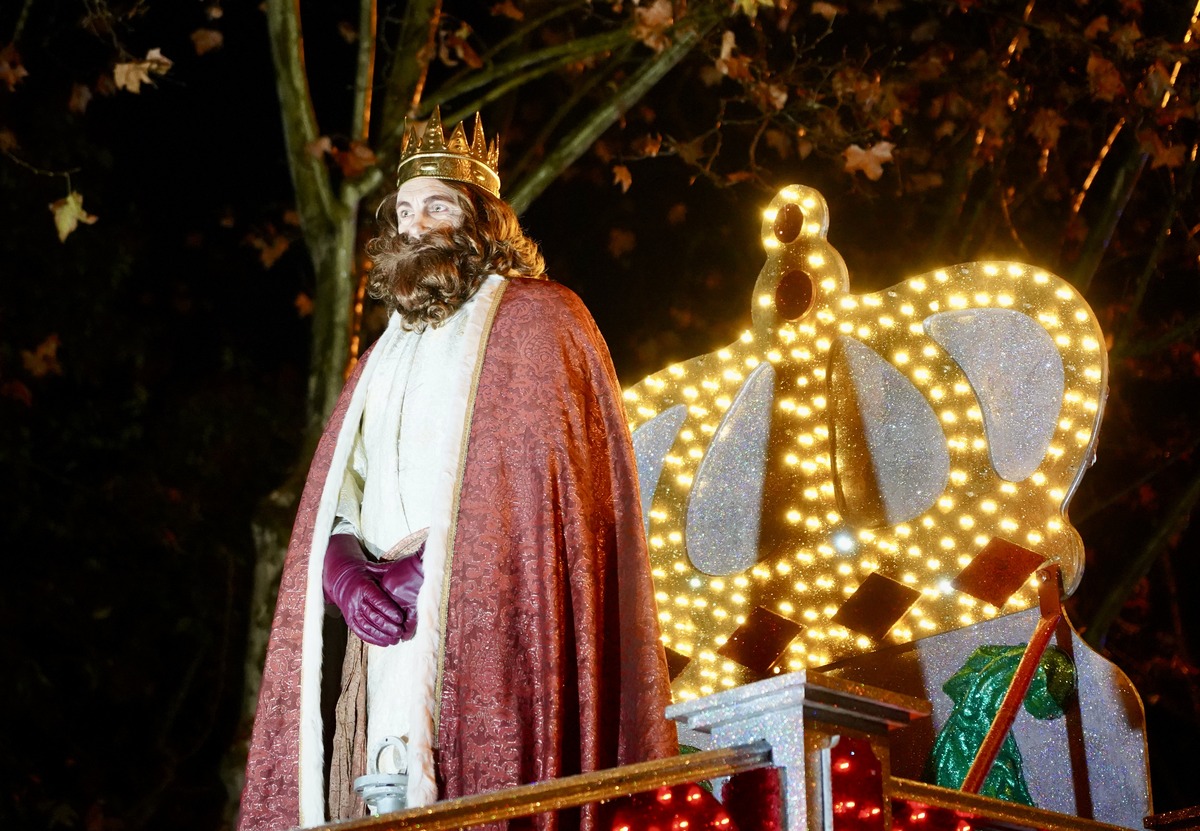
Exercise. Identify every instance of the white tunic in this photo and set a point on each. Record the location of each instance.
(408, 446)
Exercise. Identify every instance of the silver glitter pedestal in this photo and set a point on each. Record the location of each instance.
(800, 715)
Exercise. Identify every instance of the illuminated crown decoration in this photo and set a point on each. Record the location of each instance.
(861, 471)
(476, 163)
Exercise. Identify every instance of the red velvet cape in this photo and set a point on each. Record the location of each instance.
(551, 662)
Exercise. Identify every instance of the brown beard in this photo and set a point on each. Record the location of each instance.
(427, 278)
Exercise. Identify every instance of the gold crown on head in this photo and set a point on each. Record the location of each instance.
(432, 155)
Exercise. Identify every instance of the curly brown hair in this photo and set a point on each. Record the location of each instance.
(427, 278)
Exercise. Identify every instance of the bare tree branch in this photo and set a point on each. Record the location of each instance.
(314, 196)
(582, 90)
(410, 66)
(364, 81)
(576, 143)
(550, 59)
(558, 55)
(1129, 170)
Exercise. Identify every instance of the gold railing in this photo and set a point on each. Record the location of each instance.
(574, 791)
(992, 813)
(569, 791)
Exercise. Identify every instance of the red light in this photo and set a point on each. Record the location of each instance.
(843, 766)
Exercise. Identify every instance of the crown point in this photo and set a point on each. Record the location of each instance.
(408, 143)
(458, 140)
(433, 138)
(478, 140)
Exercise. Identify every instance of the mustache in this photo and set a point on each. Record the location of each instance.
(440, 240)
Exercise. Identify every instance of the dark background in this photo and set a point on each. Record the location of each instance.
(135, 460)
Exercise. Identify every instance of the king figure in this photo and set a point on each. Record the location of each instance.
(472, 514)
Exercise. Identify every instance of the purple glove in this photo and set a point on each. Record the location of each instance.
(402, 581)
(352, 584)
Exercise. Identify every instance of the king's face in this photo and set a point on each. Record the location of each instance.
(424, 203)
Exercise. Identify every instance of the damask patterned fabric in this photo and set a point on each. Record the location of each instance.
(551, 662)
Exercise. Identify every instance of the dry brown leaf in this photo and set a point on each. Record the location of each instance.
(677, 215)
(206, 40)
(68, 213)
(622, 177)
(81, 96)
(737, 68)
(17, 391)
(456, 43)
(738, 176)
(348, 31)
(1097, 27)
(1161, 154)
(1104, 78)
(779, 141)
(1021, 42)
(270, 249)
(869, 162)
(356, 161)
(750, 7)
(690, 152)
(8, 140)
(507, 9)
(106, 86)
(1155, 86)
(1125, 37)
(131, 75)
(319, 147)
(827, 10)
(304, 304)
(620, 242)
(159, 63)
(11, 69)
(924, 181)
(647, 145)
(214, 12)
(770, 96)
(651, 24)
(1045, 127)
(43, 360)
(603, 151)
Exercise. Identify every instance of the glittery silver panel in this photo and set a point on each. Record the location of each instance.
(651, 442)
(1090, 763)
(1016, 372)
(890, 457)
(725, 504)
